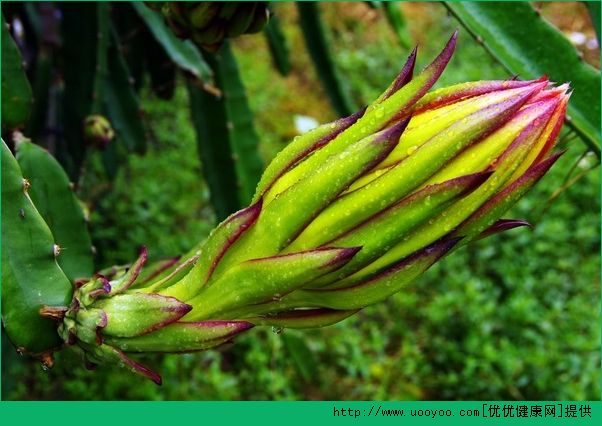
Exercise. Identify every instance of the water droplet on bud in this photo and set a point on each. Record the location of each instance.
(411, 150)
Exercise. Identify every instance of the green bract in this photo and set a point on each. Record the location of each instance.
(344, 217)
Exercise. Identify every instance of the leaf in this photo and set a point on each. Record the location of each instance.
(527, 45)
(183, 53)
(16, 91)
(52, 195)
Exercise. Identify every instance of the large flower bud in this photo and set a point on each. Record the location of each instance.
(352, 211)
(344, 217)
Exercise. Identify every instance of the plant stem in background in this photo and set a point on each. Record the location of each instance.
(319, 49)
(278, 45)
(227, 139)
(209, 118)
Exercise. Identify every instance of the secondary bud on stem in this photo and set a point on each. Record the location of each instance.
(98, 131)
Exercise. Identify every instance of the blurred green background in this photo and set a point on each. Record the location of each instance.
(516, 316)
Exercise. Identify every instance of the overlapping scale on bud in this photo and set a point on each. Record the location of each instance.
(109, 319)
(209, 23)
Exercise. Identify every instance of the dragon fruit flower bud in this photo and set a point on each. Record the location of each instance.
(98, 131)
(397, 185)
(344, 217)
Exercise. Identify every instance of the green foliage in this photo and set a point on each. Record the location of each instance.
(52, 194)
(529, 46)
(28, 256)
(16, 91)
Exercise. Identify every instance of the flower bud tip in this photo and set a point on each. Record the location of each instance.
(345, 255)
(503, 225)
(394, 132)
(405, 75)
